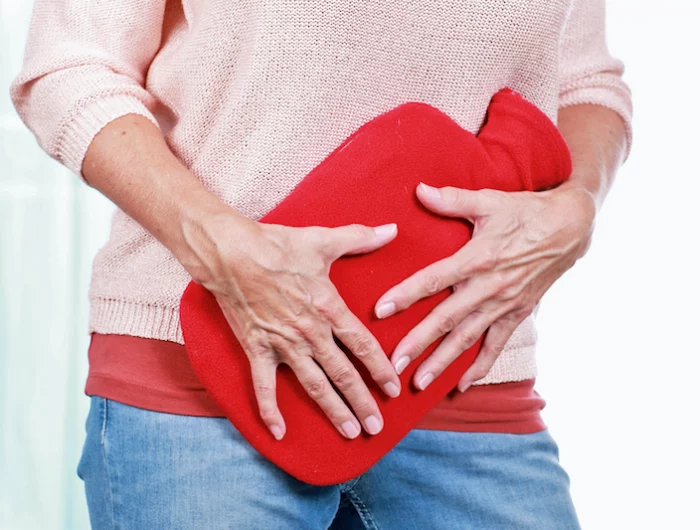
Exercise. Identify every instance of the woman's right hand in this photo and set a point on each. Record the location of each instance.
(272, 283)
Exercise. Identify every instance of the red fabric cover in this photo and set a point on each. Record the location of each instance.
(370, 178)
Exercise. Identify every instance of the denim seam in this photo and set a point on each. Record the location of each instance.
(103, 427)
(345, 486)
(362, 510)
(103, 402)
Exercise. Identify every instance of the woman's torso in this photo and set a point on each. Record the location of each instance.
(252, 95)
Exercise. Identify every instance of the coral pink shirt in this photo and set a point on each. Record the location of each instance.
(156, 375)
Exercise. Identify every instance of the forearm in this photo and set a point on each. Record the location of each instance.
(131, 164)
(597, 140)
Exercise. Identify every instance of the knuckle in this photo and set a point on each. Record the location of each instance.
(363, 348)
(363, 407)
(487, 194)
(338, 416)
(322, 235)
(286, 349)
(465, 268)
(487, 260)
(494, 350)
(262, 390)
(268, 414)
(321, 353)
(360, 231)
(492, 196)
(305, 326)
(329, 307)
(343, 378)
(431, 283)
(467, 338)
(383, 374)
(513, 292)
(257, 350)
(316, 388)
(450, 195)
(446, 323)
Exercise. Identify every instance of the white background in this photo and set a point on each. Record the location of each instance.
(619, 334)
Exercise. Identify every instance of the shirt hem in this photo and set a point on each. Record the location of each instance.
(146, 398)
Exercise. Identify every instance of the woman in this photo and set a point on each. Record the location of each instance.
(195, 118)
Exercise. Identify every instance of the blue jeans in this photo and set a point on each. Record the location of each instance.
(147, 470)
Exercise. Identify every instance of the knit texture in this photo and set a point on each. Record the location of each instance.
(252, 95)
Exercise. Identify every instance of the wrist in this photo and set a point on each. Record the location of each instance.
(588, 178)
(580, 210)
(581, 192)
(205, 226)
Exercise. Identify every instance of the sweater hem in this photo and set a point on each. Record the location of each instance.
(109, 316)
(136, 319)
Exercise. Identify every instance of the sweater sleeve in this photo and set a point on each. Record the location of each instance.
(587, 71)
(85, 65)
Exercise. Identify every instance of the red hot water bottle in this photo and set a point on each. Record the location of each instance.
(370, 179)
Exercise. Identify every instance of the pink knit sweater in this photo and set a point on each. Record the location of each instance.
(252, 94)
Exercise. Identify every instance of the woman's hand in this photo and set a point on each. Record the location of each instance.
(272, 283)
(522, 243)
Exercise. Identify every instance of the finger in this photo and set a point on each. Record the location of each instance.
(496, 338)
(460, 339)
(472, 257)
(317, 386)
(264, 375)
(357, 239)
(364, 346)
(440, 321)
(350, 384)
(454, 202)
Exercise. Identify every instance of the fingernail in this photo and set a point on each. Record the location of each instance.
(462, 388)
(391, 389)
(401, 364)
(386, 309)
(385, 230)
(350, 429)
(276, 431)
(425, 380)
(372, 424)
(431, 192)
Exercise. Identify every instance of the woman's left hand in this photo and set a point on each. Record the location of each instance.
(522, 242)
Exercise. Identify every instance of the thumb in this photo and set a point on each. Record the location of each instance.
(452, 201)
(359, 239)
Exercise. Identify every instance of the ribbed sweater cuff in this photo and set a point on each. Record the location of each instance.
(613, 97)
(515, 363)
(80, 130)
